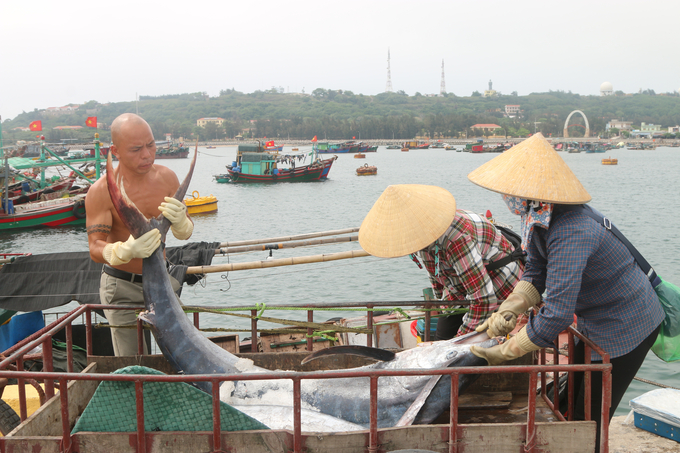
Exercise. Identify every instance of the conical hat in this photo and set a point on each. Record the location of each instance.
(531, 169)
(406, 218)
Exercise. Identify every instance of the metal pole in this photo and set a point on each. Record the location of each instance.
(42, 169)
(97, 155)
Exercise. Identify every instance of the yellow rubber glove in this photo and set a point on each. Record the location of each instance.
(142, 247)
(523, 297)
(176, 212)
(515, 347)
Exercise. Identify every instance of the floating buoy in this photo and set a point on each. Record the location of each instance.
(201, 205)
(367, 170)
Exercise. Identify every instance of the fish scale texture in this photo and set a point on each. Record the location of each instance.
(168, 406)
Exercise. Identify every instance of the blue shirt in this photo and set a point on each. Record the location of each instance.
(580, 267)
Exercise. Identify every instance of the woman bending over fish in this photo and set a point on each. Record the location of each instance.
(456, 246)
(577, 264)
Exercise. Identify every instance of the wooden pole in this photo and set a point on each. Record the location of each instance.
(289, 245)
(289, 238)
(277, 262)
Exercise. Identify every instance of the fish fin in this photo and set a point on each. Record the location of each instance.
(131, 217)
(362, 351)
(182, 189)
(413, 410)
(148, 317)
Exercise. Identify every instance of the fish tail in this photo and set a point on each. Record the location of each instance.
(129, 214)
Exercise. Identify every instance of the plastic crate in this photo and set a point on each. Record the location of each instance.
(657, 427)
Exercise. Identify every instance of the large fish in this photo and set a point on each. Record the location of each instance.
(347, 399)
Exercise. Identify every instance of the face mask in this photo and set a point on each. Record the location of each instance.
(533, 213)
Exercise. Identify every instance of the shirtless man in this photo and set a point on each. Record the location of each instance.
(147, 185)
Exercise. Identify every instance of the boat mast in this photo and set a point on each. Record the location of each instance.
(42, 159)
(2, 155)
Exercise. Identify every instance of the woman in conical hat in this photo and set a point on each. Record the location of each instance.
(454, 245)
(576, 263)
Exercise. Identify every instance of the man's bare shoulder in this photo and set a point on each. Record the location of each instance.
(99, 192)
(168, 176)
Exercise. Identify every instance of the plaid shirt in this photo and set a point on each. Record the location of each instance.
(582, 268)
(471, 242)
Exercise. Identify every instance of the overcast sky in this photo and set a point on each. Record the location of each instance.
(70, 51)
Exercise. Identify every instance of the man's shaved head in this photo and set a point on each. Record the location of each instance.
(122, 121)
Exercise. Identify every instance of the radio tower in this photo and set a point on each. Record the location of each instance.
(388, 88)
(442, 86)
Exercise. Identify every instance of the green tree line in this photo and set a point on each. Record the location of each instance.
(341, 115)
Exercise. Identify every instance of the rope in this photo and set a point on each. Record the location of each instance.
(646, 381)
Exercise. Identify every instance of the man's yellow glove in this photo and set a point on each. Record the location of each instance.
(142, 247)
(515, 347)
(176, 212)
(523, 297)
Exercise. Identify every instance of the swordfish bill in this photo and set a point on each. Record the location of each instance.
(182, 344)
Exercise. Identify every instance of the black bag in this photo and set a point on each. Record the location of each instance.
(517, 254)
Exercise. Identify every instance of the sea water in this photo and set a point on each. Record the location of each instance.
(640, 195)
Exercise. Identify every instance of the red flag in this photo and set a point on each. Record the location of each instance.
(35, 126)
(269, 143)
(91, 121)
(314, 139)
(353, 138)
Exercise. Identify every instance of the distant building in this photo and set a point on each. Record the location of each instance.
(201, 122)
(606, 89)
(647, 130)
(486, 127)
(620, 125)
(490, 92)
(674, 129)
(512, 110)
(644, 127)
(65, 110)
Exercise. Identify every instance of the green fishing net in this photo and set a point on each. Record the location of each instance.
(168, 406)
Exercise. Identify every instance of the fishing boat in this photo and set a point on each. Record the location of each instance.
(610, 161)
(210, 147)
(360, 156)
(29, 190)
(50, 213)
(51, 208)
(336, 148)
(173, 152)
(393, 147)
(222, 178)
(372, 149)
(254, 164)
(367, 170)
(404, 149)
(414, 144)
(200, 205)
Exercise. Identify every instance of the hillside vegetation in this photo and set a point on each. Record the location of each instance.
(343, 115)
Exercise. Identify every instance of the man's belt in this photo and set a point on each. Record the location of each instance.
(128, 276)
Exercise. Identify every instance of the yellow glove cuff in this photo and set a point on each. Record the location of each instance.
(529, 292)
(110, 255)
(523, 341)
(184, 230)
